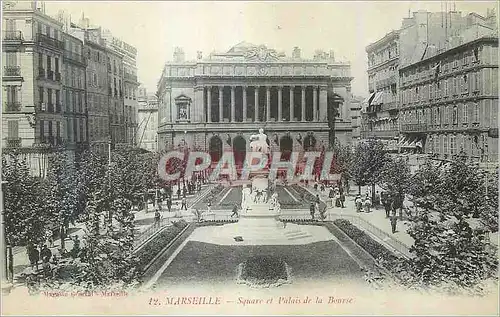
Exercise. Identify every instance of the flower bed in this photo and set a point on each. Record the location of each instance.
(154, 246)
(371, 246)
(263, 271)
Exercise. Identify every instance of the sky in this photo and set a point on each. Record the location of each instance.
(155, 28)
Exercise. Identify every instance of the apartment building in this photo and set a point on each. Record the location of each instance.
(129, 84)
(449, 102)
(115, 96)
(74, 92)
(380, 115)
(33, 120)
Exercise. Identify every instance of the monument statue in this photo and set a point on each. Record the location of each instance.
(258, 142)
(246, 198)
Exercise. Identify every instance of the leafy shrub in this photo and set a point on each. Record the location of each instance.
(264, 269)
(154, 246)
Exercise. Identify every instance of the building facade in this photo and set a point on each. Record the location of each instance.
(449, 102)
(74, 94)
(115, 96)
(356, 106)
(147, 117)
(380, 115)
(128, 84)
(33, 115)
(216, 103)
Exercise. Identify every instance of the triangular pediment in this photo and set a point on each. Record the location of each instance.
(182, 97)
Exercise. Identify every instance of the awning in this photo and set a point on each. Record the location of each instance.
(367, 100)
(401, 141)
(377, 100)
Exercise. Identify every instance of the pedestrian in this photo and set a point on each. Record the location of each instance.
(358, 203)
(169, 204)
(387, 205)
(33, 255)
(376, 203)
(311, 209)
(322, 187)
(342, 199)
(45, 254)
(178, 193)
(317, 198)
(50, 237)
(315, 186)
(209, 207)
(235, 211)
(394, 220)
(184, 203)
(184, 191)
(367, 203)
(157, 217)
(317, 205)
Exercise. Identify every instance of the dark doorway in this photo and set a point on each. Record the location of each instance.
(239, 150)
(286, 147)
(215, 148)
(309, 143)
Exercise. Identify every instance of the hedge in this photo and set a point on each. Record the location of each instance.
(155, 245)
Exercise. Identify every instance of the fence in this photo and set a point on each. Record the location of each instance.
(157, 227)
(380, 234)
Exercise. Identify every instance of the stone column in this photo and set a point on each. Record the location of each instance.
(232, 104)
(323, 103)
(209, 104)
(244, 103)
(198, 111)
(280, 105)
(221, 113)
(292, 115)
(268, 103)
(303, 104)
(315, 103)
(256, 105)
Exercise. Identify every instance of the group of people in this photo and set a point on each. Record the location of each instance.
(390, 202)
(315, 206)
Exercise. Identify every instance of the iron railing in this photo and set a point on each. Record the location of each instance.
(44, 39)
(13, 36)
(13, 142)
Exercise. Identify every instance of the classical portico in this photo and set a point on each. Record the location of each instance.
(220, 100)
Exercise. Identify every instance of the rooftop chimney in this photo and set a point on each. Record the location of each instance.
(178, 55)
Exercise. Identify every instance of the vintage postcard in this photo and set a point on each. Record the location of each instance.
(249, 158)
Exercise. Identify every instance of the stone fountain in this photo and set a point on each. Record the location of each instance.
(259, 222)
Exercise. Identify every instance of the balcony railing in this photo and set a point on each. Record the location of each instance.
(12, 106)
(12, 71)
(130, 77)
(50, 139)
(13, 36)
(414, 127)
(379, 134)
(73, 56)
(44, 39)
(13, 142)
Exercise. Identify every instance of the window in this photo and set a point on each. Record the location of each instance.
(453, 144)
(40, 94)
(475, 117)
(476, 81)
(94, 76)
(49, 96)
(56, 34)
(465, 113)
(445, 82)
(56, 64)
(42, 129)
(13, 129)
(476, 54)
(455, 115)
(437, 144)
(465, 84)
(445, 144)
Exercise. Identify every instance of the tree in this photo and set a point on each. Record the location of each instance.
(369, 160)
(25, 215)
(448, 250)
(395, 177)
(61, 191)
